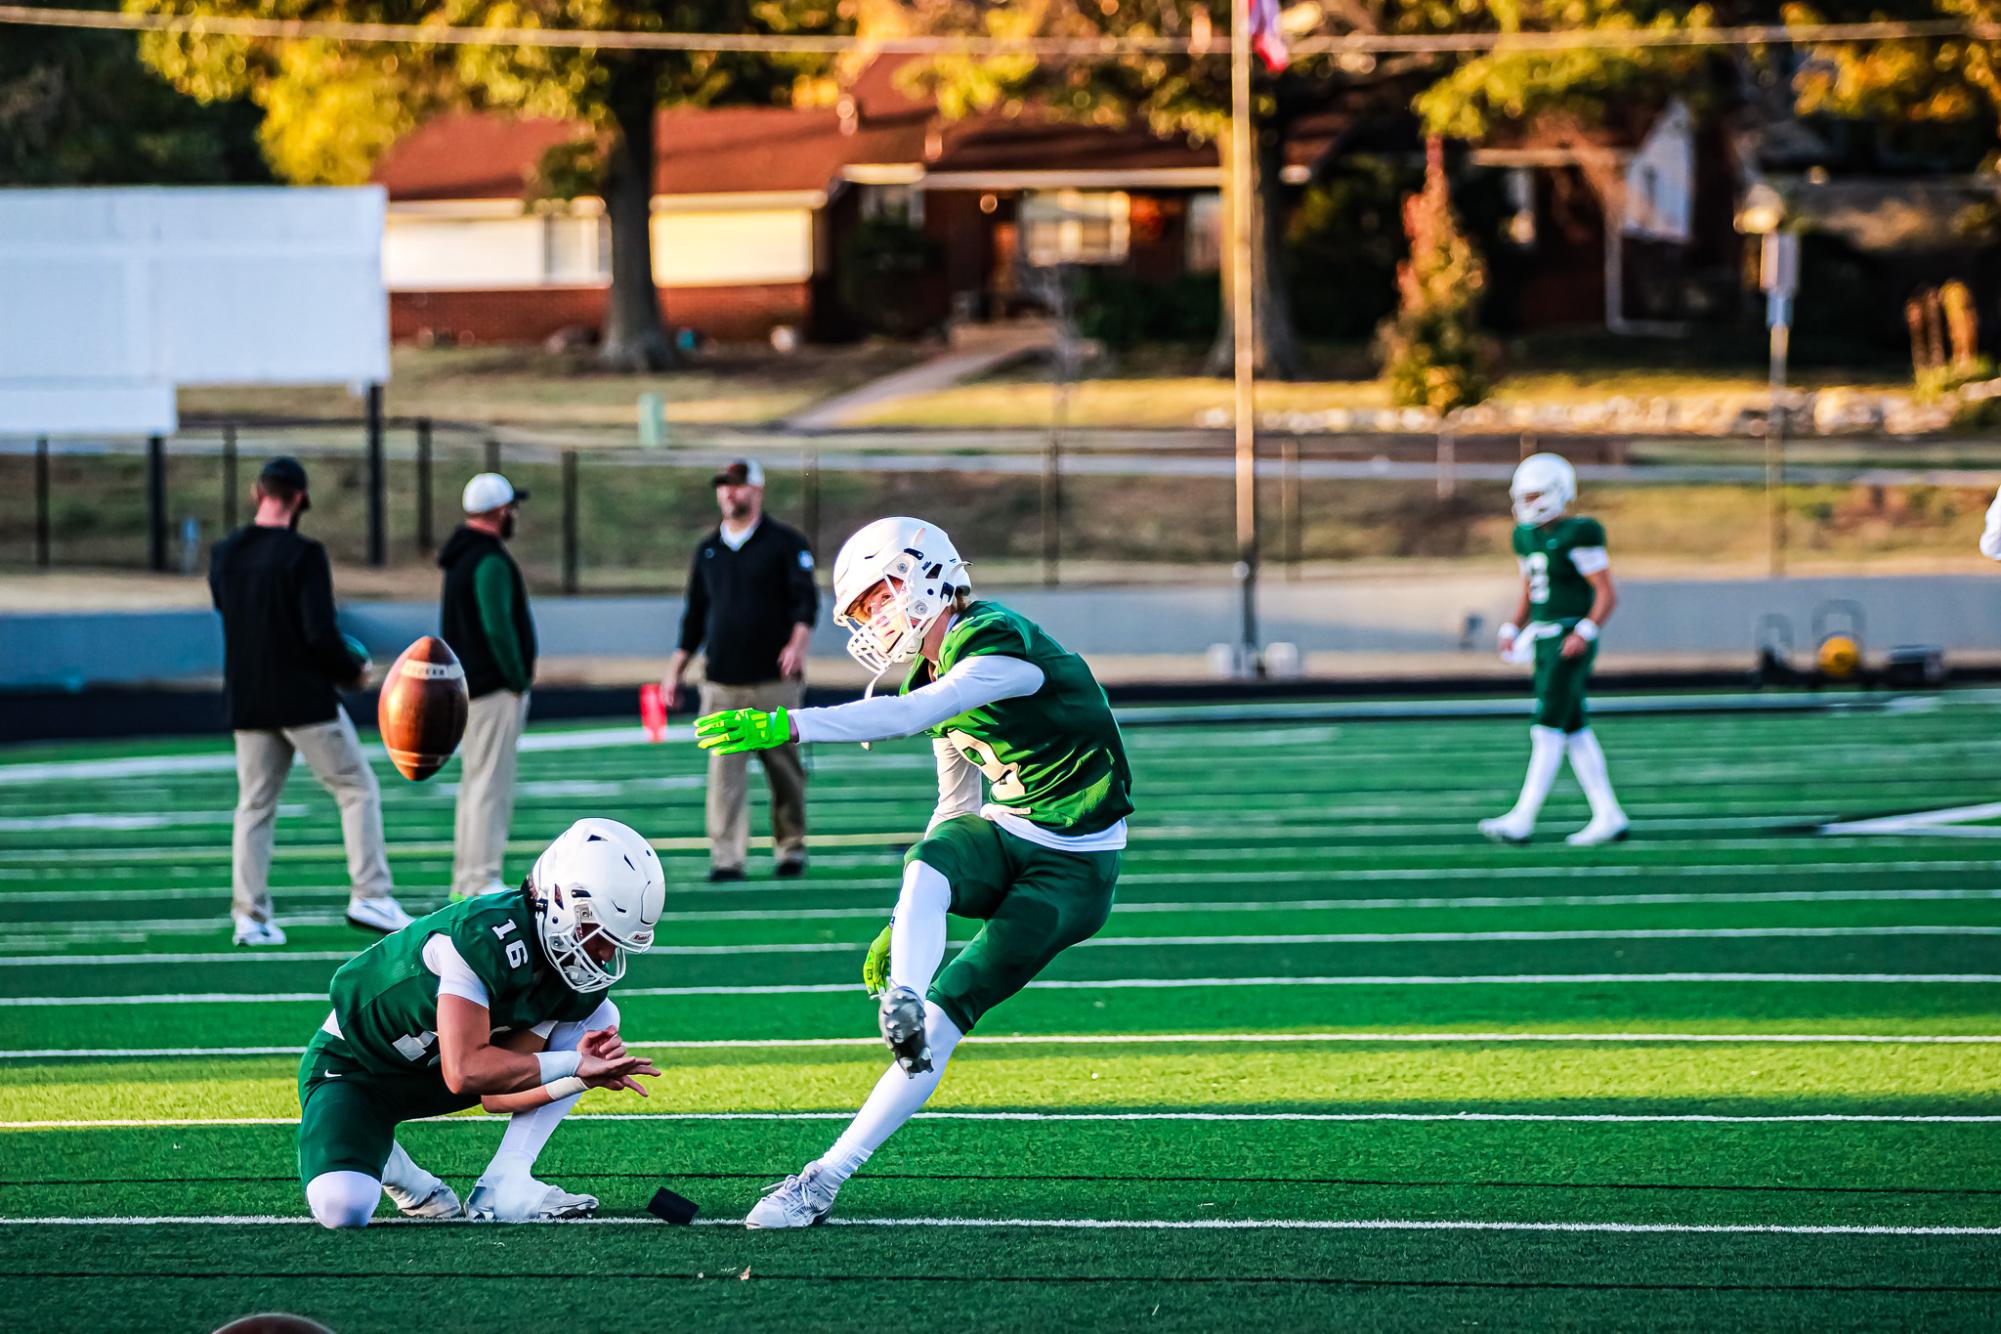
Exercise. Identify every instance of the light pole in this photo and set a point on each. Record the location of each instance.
(1763, 215)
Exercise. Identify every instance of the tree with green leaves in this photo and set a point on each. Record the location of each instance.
(332, 108)
(1186, 96)
(78, 108)
(1943, 83)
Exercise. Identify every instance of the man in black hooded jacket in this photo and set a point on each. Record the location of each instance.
(484, 617)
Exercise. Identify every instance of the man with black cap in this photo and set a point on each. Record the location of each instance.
(283, 659)
(485, 619)
(751, 600)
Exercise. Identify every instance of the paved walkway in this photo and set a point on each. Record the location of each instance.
(975, 351)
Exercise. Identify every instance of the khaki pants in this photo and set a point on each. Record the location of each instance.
(486, 788)
(263, 762)
(729, 822)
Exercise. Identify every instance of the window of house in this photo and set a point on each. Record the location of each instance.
(1205, 233)
(1075, 226)
(899, 203)
(575, 250)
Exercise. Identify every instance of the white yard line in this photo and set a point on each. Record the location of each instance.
(1917, 822)
(1103, 1224)
(1120, 1040)
(1227, 1118)
(1173, 942)
(1112, 984)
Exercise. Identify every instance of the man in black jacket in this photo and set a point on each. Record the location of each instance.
(485, 619)
(283, 657)
(751, 599)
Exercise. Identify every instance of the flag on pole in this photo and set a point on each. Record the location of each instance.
(1266, 39)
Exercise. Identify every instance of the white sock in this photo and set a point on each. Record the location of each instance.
(1545, 758)
(527, 1132)
(402, 1173)
(917, 927)
(896, 1098)
(1587, 761)
(343, 1199)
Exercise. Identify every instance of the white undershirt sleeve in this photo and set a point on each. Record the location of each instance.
(455, 975)
(961, 789)
(975, 682)
(1590, 560)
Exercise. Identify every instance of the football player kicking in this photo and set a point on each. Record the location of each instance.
(1037, 860)
(1566, 596)
(496, 1001)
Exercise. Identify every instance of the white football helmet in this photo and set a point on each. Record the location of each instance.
(925, 570)
(599, 878)
(1543, 488)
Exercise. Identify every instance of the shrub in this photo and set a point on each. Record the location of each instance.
(1433, 355)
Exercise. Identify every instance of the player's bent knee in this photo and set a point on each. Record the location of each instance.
(341, 1200)
(605, 1016)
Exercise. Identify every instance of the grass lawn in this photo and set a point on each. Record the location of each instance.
(1165, 387)
(1334, 1062)
(524, 386)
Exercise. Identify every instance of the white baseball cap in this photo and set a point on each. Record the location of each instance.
(489, 491)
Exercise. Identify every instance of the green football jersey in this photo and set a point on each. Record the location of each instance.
(1054, 757)
(386, 1001)
(1558, 591)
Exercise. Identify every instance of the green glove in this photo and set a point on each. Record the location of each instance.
(734, 731)
(875, 967)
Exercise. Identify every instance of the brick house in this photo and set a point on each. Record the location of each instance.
(751, 203)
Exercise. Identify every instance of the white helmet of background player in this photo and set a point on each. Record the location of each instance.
(927, 572)
(1543, 488)
(599, 879)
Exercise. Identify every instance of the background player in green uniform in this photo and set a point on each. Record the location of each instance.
(495, 1001)
(1033, 794)
(1566, 596)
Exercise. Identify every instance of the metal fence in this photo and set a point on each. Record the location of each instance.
(612, 517)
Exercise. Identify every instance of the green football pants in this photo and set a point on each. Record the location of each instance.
(1036, 902)
(348, 1114)
(1559, 683)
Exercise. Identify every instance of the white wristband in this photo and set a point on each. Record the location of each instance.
(1509, 630)
(566, 1087)
(1586, 629)
(557, 1064)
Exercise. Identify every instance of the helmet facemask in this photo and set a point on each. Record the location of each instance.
(569, 926)
(894, 632)
(1536, 508)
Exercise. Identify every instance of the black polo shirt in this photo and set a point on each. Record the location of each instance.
(743, 604)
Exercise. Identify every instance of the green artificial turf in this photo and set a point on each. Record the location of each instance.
(1352, 1132)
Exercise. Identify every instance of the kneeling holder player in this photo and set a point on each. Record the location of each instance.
(496, 1001)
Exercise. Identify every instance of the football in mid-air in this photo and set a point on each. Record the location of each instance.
(422, 710)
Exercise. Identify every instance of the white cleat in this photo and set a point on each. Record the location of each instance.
(250, 931)
(798, 1201)
(1509, 828)
(384, 914)
(1613, 830)
(527, 1201)
(441, 1201)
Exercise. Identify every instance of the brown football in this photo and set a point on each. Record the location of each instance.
(422, 709)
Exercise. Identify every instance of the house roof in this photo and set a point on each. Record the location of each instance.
(756, 150)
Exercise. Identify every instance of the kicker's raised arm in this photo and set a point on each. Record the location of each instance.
(976, 682)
